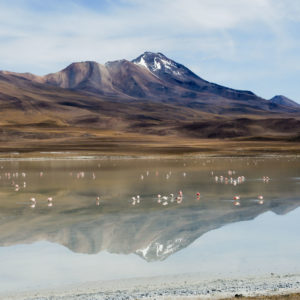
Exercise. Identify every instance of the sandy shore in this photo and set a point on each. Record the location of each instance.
(187, 286)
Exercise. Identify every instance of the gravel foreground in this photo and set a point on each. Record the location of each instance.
(171, 287)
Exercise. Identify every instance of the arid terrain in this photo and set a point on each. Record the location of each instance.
(149, 105)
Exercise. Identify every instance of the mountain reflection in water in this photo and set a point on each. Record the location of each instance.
(135, 206)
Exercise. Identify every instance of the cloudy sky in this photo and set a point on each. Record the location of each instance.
(243, 44)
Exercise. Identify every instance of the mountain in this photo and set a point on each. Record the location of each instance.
(284, 101)
(178, 75)
(153, 76)
(151, 98)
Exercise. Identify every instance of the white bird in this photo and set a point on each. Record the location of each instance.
(133, 200)
(179, 199)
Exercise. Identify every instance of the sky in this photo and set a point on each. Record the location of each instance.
(244, 44)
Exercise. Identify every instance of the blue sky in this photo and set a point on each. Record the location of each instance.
(243, 44)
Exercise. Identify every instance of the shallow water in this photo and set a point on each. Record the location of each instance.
(77, 237)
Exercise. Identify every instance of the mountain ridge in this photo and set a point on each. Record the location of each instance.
(124, 97)
(149, 76)
(285, 101)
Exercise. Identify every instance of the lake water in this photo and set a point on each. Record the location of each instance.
(246, 220)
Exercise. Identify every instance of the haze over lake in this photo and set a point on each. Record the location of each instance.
(72, 221)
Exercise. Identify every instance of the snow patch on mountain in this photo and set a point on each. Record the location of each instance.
(158, 63)
(142, 63)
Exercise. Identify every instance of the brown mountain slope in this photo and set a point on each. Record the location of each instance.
(153, 76)
(93, 106)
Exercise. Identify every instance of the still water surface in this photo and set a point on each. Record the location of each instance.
(73, 221)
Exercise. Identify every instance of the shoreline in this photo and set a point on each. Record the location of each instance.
(187, 286)
(70, 155)
(145, 146)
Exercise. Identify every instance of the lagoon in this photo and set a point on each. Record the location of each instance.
(95, 230)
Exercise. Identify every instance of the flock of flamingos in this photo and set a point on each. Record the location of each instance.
(164, 200)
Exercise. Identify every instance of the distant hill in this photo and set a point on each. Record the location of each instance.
(284, 101)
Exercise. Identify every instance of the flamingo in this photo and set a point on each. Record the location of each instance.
(133, 200)
(50, 203)
(97, 200)
(179, 200)
(158, 198)
(172, 197)
(33, 202)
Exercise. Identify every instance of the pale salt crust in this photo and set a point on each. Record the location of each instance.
(188, 286)
(145, 157)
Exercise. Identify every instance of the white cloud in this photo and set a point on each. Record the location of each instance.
(192, 31)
